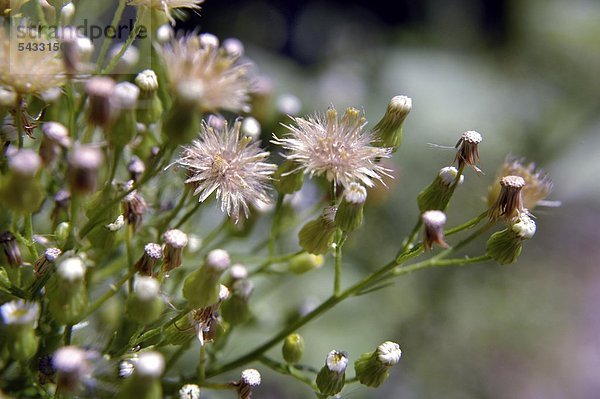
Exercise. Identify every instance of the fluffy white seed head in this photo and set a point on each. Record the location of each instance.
(251, 377)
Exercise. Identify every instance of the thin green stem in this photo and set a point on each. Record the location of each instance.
(337, 260)
(350, 291)
(466, 225)
(287, 370)
(130, 262)
(202, 365)
(275, 224)
(174, 212)
(114, 288)
(188, 215)
(106, 45)
(28, 230)
(68, 334)
(18, 119)
(264, 266)
(130, 39)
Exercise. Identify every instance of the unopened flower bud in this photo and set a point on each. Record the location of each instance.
(145, 304)
(134, 207)
(189, 391)
(288, 178)
(55, 136)
(249, 379)
(84, 162)
(71, 365)
(349, 214)
(317, 235)
(293, 348)
(20, 191)
(175, 240)
(332, 377)
(233, 47)
(124, 100)
(61, 232)
(506, 245)
(509, 204)
(67, 12)
(152, 254)
(164, 33)
(182, 123)
(289, 104)
(434, 222)
(437, 195)
(468, 150)
(305, 262)
(388, 131)
(66, 291)
(236, 309)
(20, 320)
(201, 287)
(10, 247)
(100, 91)
(238, 272)
(372, 368)
(150, 106)
(145, 383)
(46, 261)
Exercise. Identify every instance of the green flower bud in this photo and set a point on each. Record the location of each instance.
(288, 178)
(84, 162)
(124, 128)
(201, 287)
(305, 262)
(66, 291)
(20, 320)
(293, 348)
(20, 191)
(372, 367)
(152, 254)
(437, 195)
(150, 107)
(236, 309)
(145, 381)
(61, 233)
(505, 246)
(46, 261)
(317, 235)
(332, 377)
(350, 212)
(145, 304)
(181, 332)
(388, 131)
(100, 90)
(182, 123)
(433, 224)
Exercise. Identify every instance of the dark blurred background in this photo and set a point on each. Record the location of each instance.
(524, 74)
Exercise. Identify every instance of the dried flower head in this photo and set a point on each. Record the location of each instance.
(169, 7)
(175, 240)
(134, 206)
(250, 378)
(338, 148)
(47, 260)
(509, 204)
(10, 247)
(468, 150)
(195, 61)
(189, 391)
(537, 184)
(222, 161)
(434, 229)
(152, 254)
(29, 72)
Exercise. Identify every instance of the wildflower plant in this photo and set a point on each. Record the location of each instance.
(106, 261)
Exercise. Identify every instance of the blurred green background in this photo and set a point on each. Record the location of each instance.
(526, 74)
